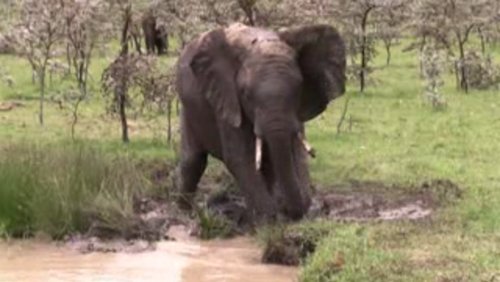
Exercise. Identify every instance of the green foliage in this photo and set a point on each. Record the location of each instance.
(61, 189)
(212, 226)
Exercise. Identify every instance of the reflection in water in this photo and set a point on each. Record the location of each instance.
(228, 260)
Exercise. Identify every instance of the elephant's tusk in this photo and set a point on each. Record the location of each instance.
(309, 149)
(258, 153)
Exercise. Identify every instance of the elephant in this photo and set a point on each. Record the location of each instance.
(155, 35)
(246, 93)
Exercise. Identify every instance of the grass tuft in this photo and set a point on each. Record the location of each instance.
(212, 226)
(63, 189)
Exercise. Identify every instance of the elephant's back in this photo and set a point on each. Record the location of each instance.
(243, 36)
(253, 40)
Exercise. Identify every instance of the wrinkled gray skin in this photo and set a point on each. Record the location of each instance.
(156, 37)
(242, 83)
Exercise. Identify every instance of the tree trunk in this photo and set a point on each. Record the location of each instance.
(125, 30)
(388, 52)
(483, 40)
(122, 89)
(137, 43)
(75, 117)
(247, 8)
(421, 49)
(123, 115)
(457, 75)
(68, 57)
(364, 53)
(464, 84)
(362, 76)
(169, 122)
(42, 96)
(344, 113)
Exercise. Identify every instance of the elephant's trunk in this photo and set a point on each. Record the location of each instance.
(285, 153)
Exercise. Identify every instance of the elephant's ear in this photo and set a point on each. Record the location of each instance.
(321, 56)
(215, 67)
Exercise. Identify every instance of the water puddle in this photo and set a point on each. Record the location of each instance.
(187, 261)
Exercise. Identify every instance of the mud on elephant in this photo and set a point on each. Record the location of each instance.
(246, 94)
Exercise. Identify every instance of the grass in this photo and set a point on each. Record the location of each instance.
(60, 190)
(396, 137)
(392, 135)
(212, 226)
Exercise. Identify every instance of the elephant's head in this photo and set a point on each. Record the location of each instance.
(273, 83)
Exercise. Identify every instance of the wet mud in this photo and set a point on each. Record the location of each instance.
(222, 212)
(374, 201)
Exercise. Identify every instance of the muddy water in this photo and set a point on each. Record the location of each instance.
(186, 261)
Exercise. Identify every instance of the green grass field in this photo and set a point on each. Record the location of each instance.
(392, 135)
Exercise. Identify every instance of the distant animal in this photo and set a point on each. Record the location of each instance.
(246, 93)
(155, 35)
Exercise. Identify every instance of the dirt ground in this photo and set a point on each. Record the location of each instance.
(363, 201)
(223, 209)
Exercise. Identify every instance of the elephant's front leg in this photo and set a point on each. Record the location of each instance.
(192, 165)
(239, 156)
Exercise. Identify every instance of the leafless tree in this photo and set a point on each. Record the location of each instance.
(35, 38)
(147, 86)
(84, 27)
(450, 24)
(358, 22)
(390, 24)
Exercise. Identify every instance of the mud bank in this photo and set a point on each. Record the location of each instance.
(222, 213)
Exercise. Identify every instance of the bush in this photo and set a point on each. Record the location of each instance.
(432, 63)
(5, 45)
(481, 72)
(63, 189)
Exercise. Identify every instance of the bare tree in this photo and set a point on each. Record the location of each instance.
(8, 13)
(147, 87)
(187, 18)
(36, 36)
(450, 24)
(184, 18)
(389, 26)
(359, 28)
(157, 89)
(85, 25)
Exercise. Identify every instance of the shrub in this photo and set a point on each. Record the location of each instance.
(433, 65)
(481, 72)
